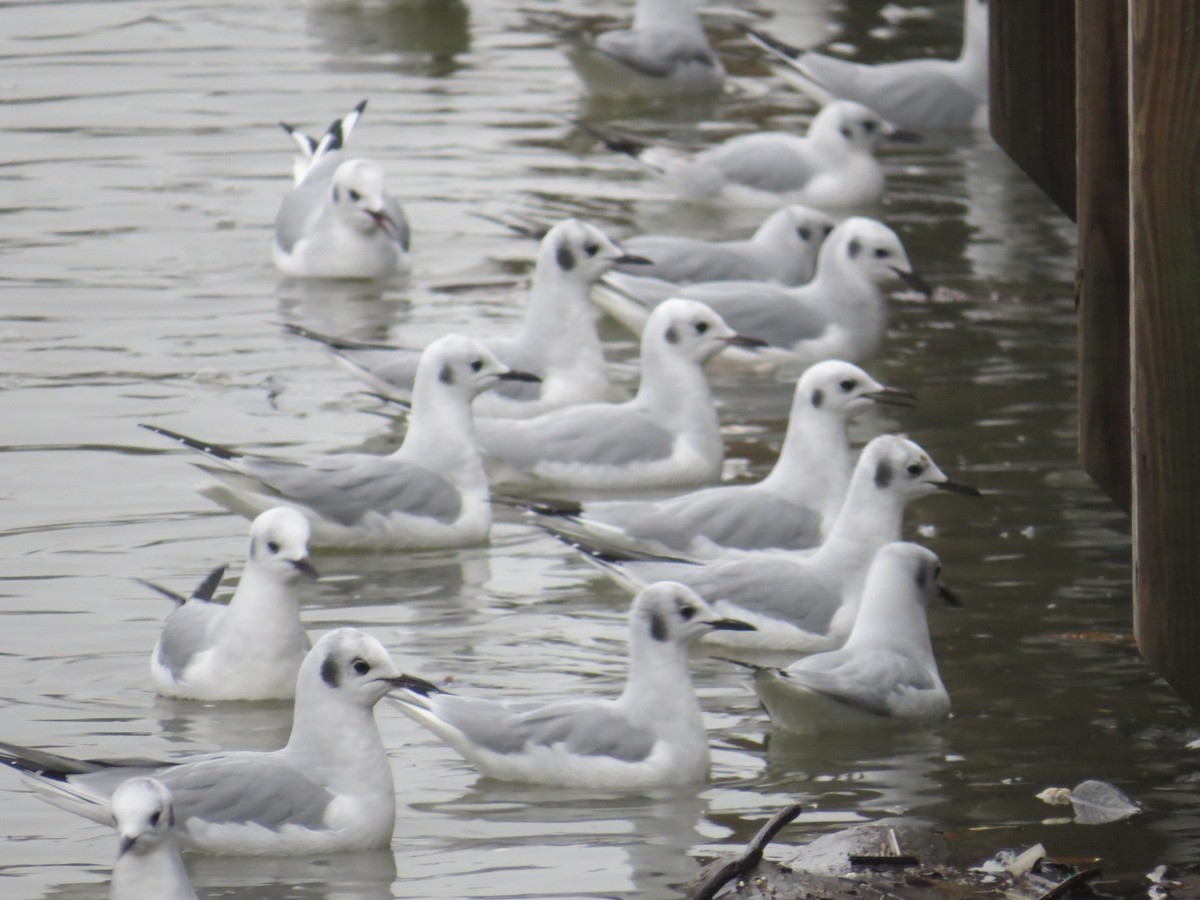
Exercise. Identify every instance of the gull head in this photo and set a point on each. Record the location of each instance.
(349, 667)
(902, 563)
(461, 365)
(873, 250)
(582, 252)
(801, 227)
(691, 330)
(667, 612)
(144, 815)
(850, 126)
(279, 544)
(843, 390)
(357, 195)
(900, 467)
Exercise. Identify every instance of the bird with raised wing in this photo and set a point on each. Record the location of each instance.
(338, 221)
(328, 790)
(651, 735)
(431, 492)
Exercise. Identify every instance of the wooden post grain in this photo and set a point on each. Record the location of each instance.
(1164, 195)
(1102, 116)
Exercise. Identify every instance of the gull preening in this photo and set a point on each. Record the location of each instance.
(831, 167)
(328, 790)
(148, 863)
(667, 435)
(885, 673)
(663, 54)
(840, 314)
(912, 93)
(651, 735)
(805, 601)
(790, 509)
(338, 221)
(557, 340)
(431, 492)
(252, 648)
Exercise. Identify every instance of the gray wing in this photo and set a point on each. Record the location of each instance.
(302, 205)
(760, 310)
(735, 517)
(686, 260)
(656, 52)
(768, 162)
(346, 487)
(593, 434)
(396, 367)
(585, 727)
(865, 680)
(395, 212)
(916, 93)
(254, 788)
(769, 586)
(186, 633)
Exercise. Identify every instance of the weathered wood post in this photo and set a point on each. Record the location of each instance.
(1164, 199)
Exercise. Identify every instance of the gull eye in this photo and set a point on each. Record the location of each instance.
(361, 666)
(354, 195)
(155, 817)
(848, 385)
(686, 611)
(882, 254)
(937, 572)
(591, 249)
(868, 126)
(477, 365)
(701, 327)
(273, 546)
(805, 233)
(915, 469)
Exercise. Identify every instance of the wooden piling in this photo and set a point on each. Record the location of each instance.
(1164, 167)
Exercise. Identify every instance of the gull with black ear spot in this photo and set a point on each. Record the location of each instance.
(148, 862)
(791, 509)
(913, 93)
(339, 221)
(651, 735)
(885, 674)
(250, 649)
(329, 790)
(840, 314)
(833, 167)
(557, 340)
(667, 435)
(431, 492)
(804, 602)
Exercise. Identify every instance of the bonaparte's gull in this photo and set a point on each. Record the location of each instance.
(329, 790)
(431, 492)
(790, 509)
(557, 339)
(832, 167)
(807, 602)
(913, 93)
(840, 314)
(783, 248)
(651, 735)
(338, 221)
(664, 54)
(252, 648)
(148, 863)
(885, 673)
(667, 435)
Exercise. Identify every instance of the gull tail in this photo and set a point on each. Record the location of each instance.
(216, 451)
(622, 142)
(203, 591)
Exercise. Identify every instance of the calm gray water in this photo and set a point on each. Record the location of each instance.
(141, 170)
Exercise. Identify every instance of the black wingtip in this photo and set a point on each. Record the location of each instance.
(214, 450)
(208, 587)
